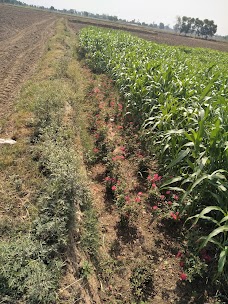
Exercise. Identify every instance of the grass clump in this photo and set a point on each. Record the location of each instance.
(25, 272)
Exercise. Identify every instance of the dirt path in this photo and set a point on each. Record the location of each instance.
(18, 57)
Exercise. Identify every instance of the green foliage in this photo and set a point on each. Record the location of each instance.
(142, 282)
(189, 25)
(25, 272)
(90, 235)
(178, 97)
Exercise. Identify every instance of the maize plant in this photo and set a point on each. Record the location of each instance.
(179, 98)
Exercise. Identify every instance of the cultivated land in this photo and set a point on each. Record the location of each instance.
(23, 35)
(154, 35)
(56, 182)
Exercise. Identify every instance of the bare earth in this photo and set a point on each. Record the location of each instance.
(23, 34)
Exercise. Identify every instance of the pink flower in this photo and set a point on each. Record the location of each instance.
(108, 178)
(176, 197)
(156, 177)
(137, 199)
(174, 215)
(149, 178)
(139, 155)
(169, 203)
(183, 276)
(122, 149)
(154, 186)
(168, 192)
(127, 198)
(95, 150)
(119, 127)
(96, 90)
(113, 188)
(155, 207)
(162, 197)
(140, 193)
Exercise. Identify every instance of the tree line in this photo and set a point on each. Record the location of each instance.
(194, 26)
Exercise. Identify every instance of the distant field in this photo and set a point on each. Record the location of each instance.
(158, 36)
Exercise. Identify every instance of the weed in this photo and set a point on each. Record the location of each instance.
(85, 270)
(90, 235)
(142, 281)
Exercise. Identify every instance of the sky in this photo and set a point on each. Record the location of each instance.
(149, 11)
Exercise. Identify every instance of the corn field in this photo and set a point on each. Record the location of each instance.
(178, 98)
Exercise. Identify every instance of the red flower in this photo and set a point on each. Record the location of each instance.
(179, 254)
(183, 276)
(122, 149)
(108, 178)
(205, 256)
(113, 188)
(155, 207)
(120, 106)
(181, 264)
(119, 127)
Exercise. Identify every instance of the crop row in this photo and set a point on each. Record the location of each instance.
(177, 97)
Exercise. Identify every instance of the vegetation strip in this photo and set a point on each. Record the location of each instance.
(181, 112)
(32, 260)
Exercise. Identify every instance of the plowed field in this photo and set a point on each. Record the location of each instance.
(23, 33)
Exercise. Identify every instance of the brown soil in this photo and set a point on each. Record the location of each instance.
(23, 34)
(151, 240)
(179, 40)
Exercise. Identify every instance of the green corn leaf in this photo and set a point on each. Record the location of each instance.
(214, 233)
(222, 259)
(205, 211)
(208, 87)
(181, 155)
(218, 244)
(172, 181)
(224, 219)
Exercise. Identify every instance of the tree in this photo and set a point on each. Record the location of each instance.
(161, 26)
(189, 25)
(185, 25)
(177, 26)
(198, 26)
